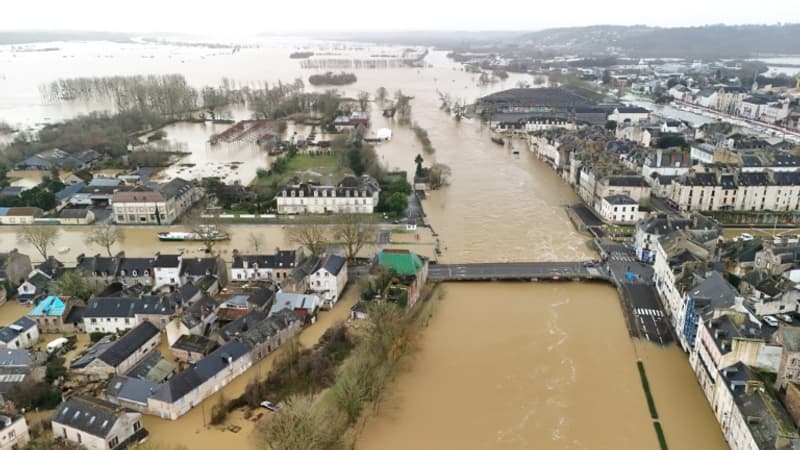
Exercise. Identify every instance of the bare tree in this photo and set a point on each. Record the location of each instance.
(209, 229)
(255, 241)
(314, 237)
(354, 232)
(363, 100)
(402, 107)
(41, 237)
(105, 236)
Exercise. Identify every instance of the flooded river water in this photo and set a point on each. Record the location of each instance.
(501, 365)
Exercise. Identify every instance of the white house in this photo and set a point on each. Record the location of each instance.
(329, 279)
(13, 431)
(619, 209)
(95, 424)
(167, 270)
(275, 267)
(306, 306)
(114, 314)
(351, 195)
(24, 333)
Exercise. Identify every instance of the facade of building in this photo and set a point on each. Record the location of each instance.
(275, 267)
(14, 433)
(619, 209)
(114, 314)
(122, 354)
(161, 206)
(411, 273)
(329, 279)
(351, 195)
(49, 314)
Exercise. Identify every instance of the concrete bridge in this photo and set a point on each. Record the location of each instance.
(518, 271)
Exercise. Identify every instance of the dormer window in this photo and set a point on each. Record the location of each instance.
(133, 272)
(324, 193)
(122, 273)
(293, 193)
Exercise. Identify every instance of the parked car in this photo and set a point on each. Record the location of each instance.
(785, 317)
(270, 406)
(770, 320)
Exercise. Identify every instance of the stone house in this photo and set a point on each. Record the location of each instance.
(49, 314)
(114, 314)
(329, 279)
(13, 431)
(14, 267)
(411, 274)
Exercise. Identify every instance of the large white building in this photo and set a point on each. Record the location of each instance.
(275, 267)
(619, 209)
(13, 431)
(747, 191)
(161, 206)
(351, 195)
(114, 314)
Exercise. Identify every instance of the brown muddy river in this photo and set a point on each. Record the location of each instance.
(539, 366)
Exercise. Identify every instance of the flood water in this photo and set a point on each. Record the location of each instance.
(501, 365)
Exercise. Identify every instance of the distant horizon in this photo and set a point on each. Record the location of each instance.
(311, 32)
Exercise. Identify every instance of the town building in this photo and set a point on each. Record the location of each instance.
(49, 314)
(329, 279)
(96, 424)
(14, 433)
(275, 267)
(651, 228)
(167, 270)
(19, 367)
(162, 205)
(411, 274)
(76, 216)
(190, 348)
(115, 314)
(619, 209)
(23, 333)
(750, 417)
(351, 195)
(19, 215)
(306, 306)
(122, 354)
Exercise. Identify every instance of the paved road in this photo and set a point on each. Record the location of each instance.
(643, 310)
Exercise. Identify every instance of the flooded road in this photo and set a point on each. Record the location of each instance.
(502, 365)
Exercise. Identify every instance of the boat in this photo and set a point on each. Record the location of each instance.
(498, 141)
(177, 236)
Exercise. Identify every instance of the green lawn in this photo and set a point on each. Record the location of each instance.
(323, 168)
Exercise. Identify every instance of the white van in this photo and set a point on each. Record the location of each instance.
(56, 344)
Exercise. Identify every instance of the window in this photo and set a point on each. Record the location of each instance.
(113, 442)
(12, 434)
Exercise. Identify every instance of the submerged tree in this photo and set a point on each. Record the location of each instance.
(314, 237)
(354, 232)
(105, 236)
(41, 237)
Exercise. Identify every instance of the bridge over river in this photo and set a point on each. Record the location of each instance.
(518, 271)
(644, 314)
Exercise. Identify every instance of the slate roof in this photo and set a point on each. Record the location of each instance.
(619, 199)
(184, 294)
(753, 179)
(281, 259)
(97, 265)
(132, 389)
(264, 330)
(241, 325)
(127, 307)
(713, 292)
(129, 344)
(193, 377)
(9, 333)
(153, 367)
(167, 261)
(129, 265)
(333, 263)
(199, 267)
(14, 357)
(195, 344)
(194, 313)
(261, 297)
(92, 353)
(175, 187)
(537, 97)
(88, 414)
(632, 181)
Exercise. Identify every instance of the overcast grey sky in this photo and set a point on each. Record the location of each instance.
(236, 17)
